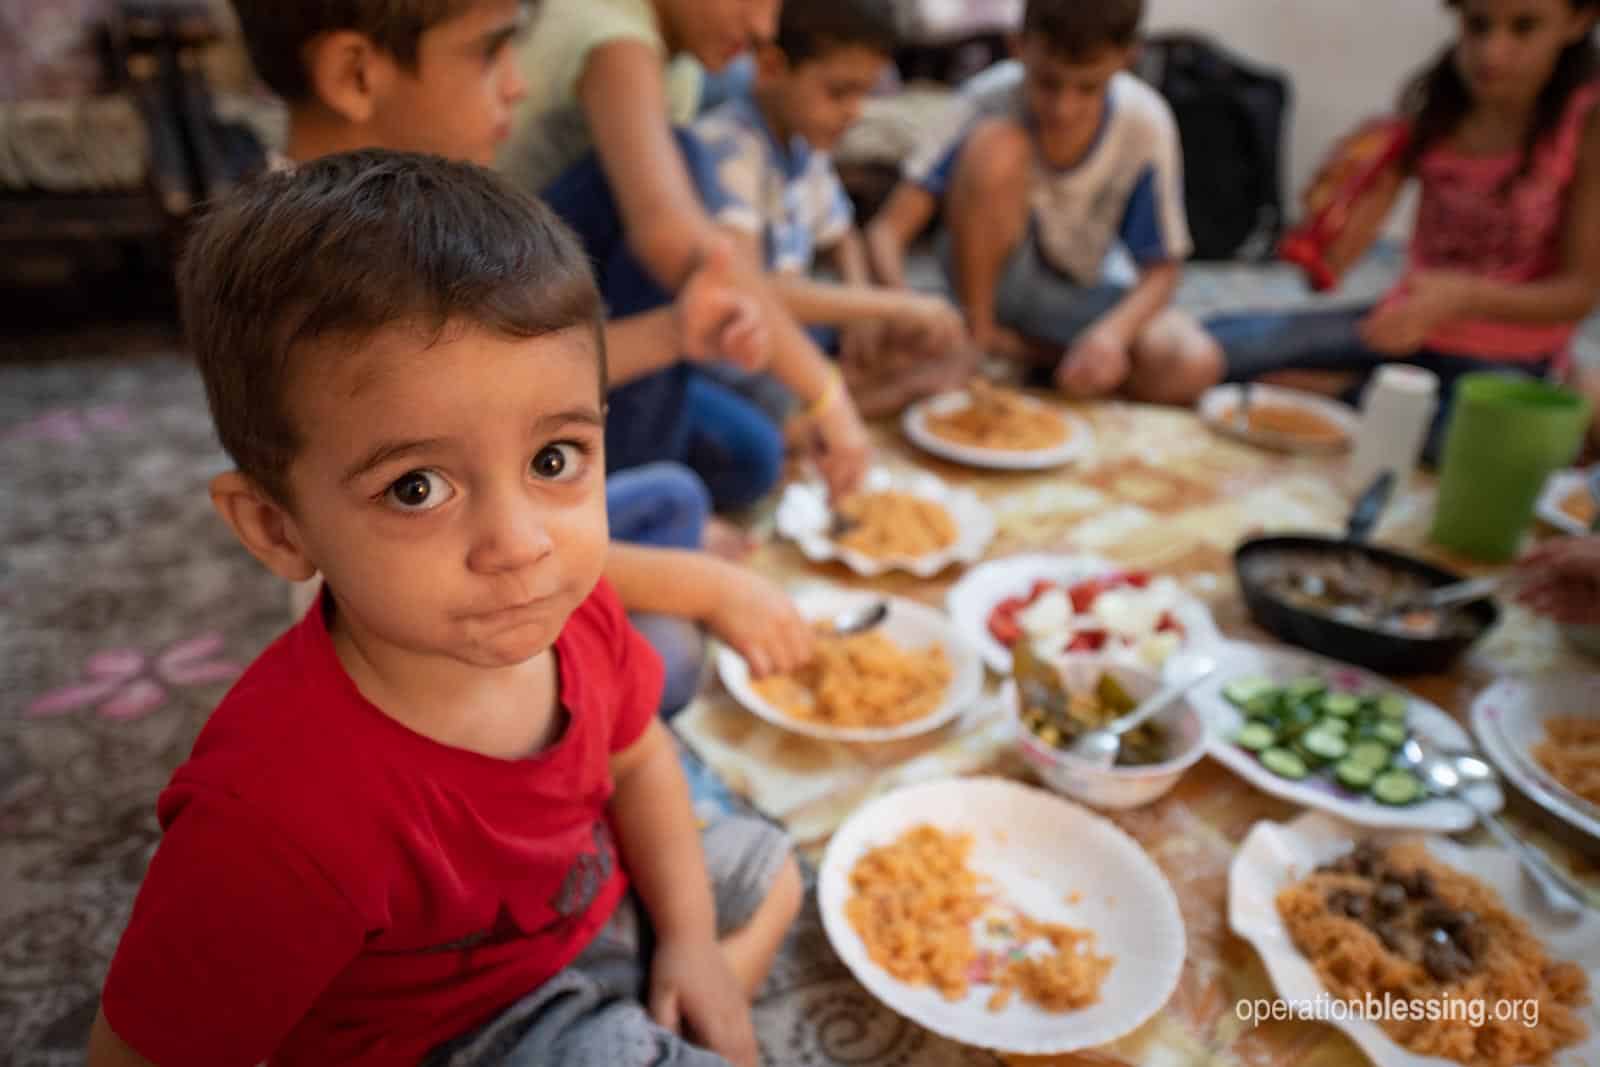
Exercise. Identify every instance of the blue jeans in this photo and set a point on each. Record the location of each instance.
(1258, 343)
(660, 504)
(666, 506)
(674, 414)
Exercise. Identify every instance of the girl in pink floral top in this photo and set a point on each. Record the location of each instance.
(1504, 262)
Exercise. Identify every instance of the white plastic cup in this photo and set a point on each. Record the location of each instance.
(1396, 413)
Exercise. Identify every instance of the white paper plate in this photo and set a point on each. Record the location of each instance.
(1219, 401)
(1277, 854)
(804, 517)
(910, 625)
(1557, 488)
(973, 599)
(1283, 665)
(1079, 442)
(1509, 719)
(1037, 849)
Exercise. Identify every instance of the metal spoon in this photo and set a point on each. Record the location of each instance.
(863, 620)
(1449, 596)
(1241, 414)
(1101, 746)
(1447, 776)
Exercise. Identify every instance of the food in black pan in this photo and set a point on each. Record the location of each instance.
(1355, 590)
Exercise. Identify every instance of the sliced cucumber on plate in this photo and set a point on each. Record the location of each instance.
(1306, 727)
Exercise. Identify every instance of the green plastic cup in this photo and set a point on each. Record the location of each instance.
(1506, 436)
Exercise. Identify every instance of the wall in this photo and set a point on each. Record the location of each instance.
(1346, 58)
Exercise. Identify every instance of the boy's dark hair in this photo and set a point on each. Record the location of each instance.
(276, 32)
(305, 264)
(1079, 30)
(810, 29)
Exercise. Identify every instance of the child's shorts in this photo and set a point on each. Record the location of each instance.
(1039, 302)
(592, 1014)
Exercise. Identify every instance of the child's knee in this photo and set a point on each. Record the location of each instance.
(1175, 363)
(788, 892)
(997, 161)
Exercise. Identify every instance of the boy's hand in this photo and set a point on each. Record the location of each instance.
(1431, 299)
(1561, 579)
(716, 319)
(861, 344)
(930, 323)
(841, 450)
(758, 620)
(693, 989)
(1096, 365)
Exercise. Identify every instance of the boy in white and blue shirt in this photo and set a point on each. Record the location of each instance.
(1060, 176)
(778, 193)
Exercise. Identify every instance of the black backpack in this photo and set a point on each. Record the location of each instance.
(1231, 117)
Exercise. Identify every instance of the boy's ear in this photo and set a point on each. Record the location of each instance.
(349, 73)
(262, 525)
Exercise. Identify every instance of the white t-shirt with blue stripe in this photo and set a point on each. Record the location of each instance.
(788, 195)
(1124, 198)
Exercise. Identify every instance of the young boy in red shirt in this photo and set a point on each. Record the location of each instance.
(441, 77)
(437, 820)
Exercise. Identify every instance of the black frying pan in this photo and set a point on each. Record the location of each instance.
(1387, 653)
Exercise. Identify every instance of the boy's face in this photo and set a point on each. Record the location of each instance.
(822, 98)
(1508, 48)
(716, 32)
(1066, 97)
(458, 100)
(453, 495)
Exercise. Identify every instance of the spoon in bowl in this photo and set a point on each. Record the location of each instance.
(862, 620)
(1101, 746)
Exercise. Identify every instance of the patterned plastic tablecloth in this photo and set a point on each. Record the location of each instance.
(1161, 492)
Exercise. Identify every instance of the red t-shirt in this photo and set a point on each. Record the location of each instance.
(332, 887)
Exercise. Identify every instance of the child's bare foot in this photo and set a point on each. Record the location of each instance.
(726, 541)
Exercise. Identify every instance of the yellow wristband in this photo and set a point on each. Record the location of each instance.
(829, 397)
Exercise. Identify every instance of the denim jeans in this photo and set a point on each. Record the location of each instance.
(1258, 343)
(666, 506)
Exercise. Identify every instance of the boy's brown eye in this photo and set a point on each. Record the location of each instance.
(556, 462)
(412, 490)
(420, 490)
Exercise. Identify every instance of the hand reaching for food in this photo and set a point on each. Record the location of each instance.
(1561, 579)
(757, 618)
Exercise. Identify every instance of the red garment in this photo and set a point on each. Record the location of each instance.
(332, 887)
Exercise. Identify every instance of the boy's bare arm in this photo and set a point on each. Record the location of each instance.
(106, 1049)
(667, 228)
(904, 215)
(751, 613)
(692, 985)
(849, 257)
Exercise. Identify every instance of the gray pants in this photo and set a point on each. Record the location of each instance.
(592, 1013)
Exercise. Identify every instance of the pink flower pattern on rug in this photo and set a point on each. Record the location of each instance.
(124, 683)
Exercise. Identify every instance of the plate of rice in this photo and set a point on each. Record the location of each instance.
(911, 674)
(1543, 735)
(908, 521)
(1463, 963)
(1001, 916)
(994, 428)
